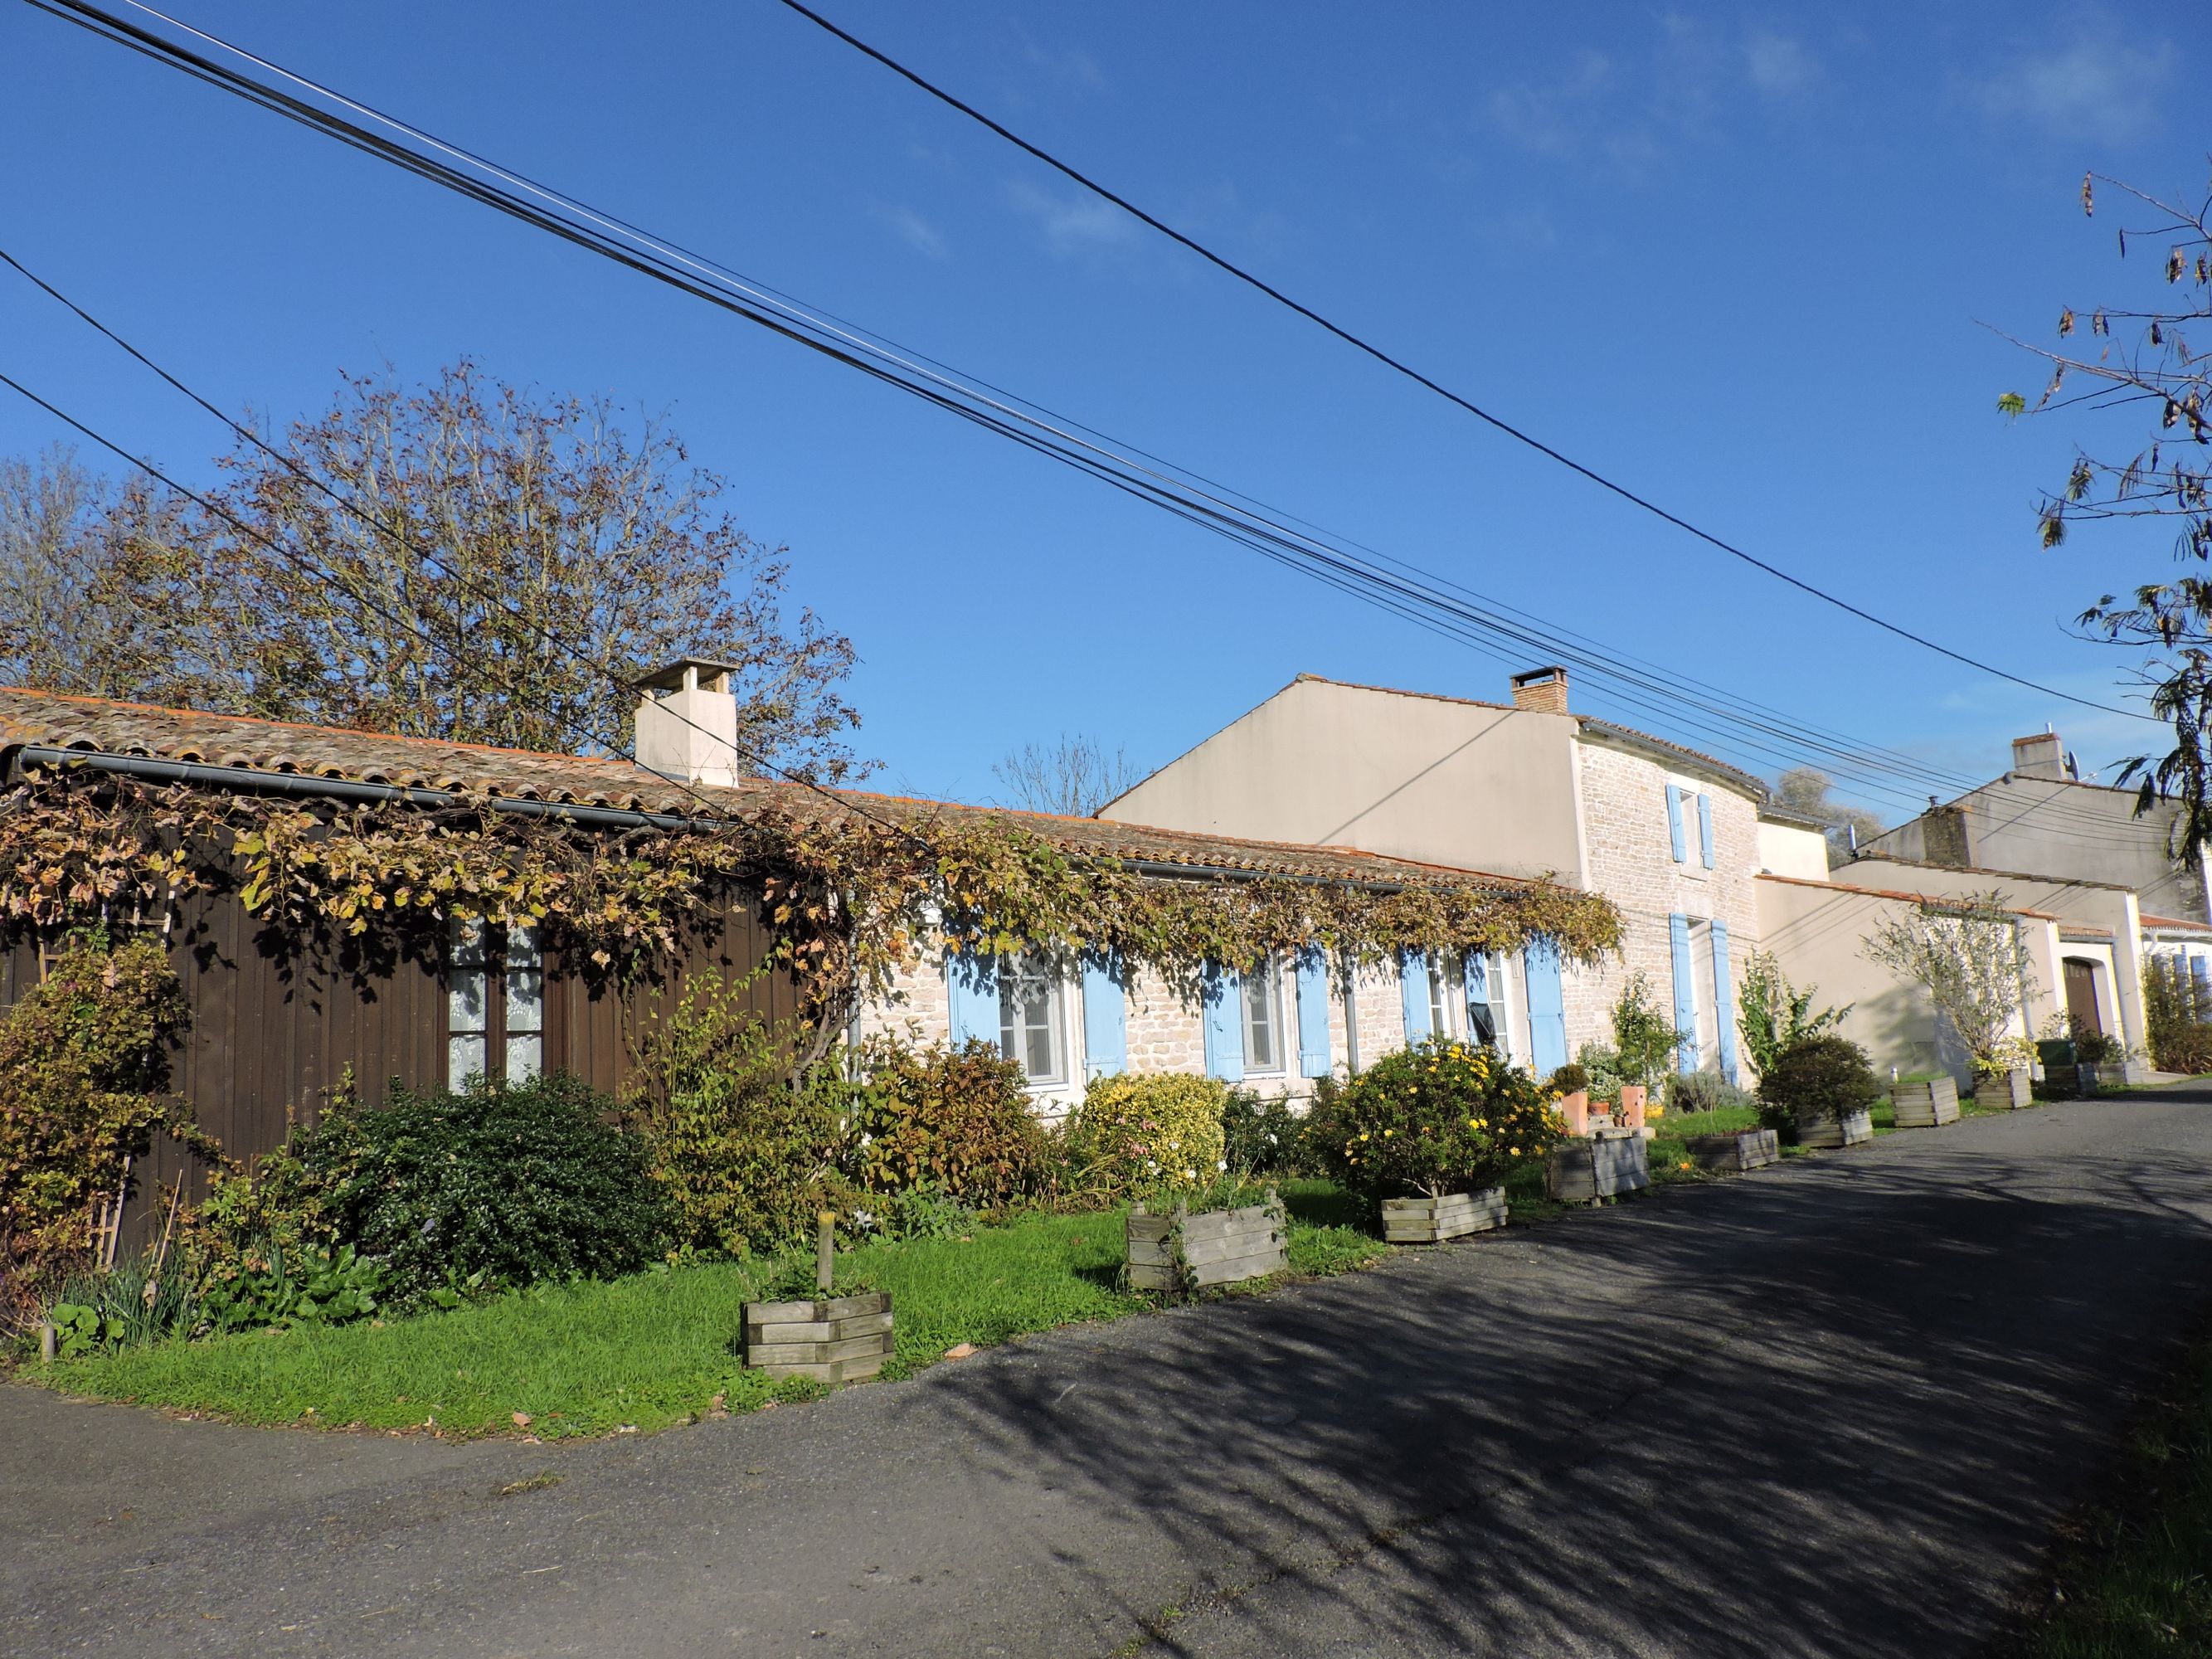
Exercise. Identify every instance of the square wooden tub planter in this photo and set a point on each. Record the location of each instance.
(2007, 1090)
(1852, 1129)
(1432, 1220)
(1602, 1164)
(1175, 1250)
(1735, 1154)
(825, 1339)
(1925, 1105)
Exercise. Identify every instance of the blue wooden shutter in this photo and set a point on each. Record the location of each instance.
(1313, 1012)
(1413, 989)
(1685, 996)
(1547, 1012)
(1674, 821)
(1723, 1000)
(1224, 1014)
(1705, 827)
(973, 982)
(1105, 1019)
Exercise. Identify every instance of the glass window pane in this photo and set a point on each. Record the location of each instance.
(464, 1059)
(526, 1054)
(525, 999)
(465, 999)
(1261, 1021)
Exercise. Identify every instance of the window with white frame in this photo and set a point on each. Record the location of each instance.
(1032, 1019)
(1263, 1020)
(1441, 1024)
(1489, 1005)
(494, 1003)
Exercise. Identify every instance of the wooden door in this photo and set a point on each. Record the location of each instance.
(2082, 995)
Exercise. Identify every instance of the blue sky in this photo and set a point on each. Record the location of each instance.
(1740, 259)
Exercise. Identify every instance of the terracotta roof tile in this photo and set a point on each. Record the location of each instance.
(252, 746)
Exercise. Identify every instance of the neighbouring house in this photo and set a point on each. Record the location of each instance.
(407, 995)
(1674, 838)
(2126, 886)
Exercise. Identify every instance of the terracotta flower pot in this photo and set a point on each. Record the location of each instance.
(1632, 1096)
(1575, 1107)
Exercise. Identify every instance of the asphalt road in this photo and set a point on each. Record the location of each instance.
(1830, 1409)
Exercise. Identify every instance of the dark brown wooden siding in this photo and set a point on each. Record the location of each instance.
(271, 1033)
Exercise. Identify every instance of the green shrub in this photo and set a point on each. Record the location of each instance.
(1703, 1091)
(1643, 1033)
(1772, 1013)
(300, 1286)
(1820, 1077)
(1434, 1118)
(1603, 1065)
(1569, 1078)
(745, 1158)
(956, 1121)
(1135, 1136)
(83, 1088)
(1260, 1135)
(2093, 1048)
(424, 1201)
(137, 1301)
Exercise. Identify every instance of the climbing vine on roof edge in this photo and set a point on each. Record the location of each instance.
(849, 900)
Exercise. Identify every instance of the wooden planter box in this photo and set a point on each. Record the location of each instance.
(1432, 1220)
(1925, 1105)
(2089, 1078)
(831, 1339)
(1181, 1251)
(1852, 1130)
(2011, 1091)
(1733, 1154)
(1603, 1166)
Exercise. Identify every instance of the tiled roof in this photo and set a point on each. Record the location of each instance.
(262, 746)
(2181, 922)
(1896, 893)
(1903, 863)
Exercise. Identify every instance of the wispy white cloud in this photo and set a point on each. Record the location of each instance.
(1631, 108)
(1779, 65)
(2095, 85)
(910, 227)
(1071, 223)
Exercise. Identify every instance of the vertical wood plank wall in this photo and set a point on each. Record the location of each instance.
(270, 1034)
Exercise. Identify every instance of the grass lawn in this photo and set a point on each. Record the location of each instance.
(2135, 1578)
(657, 1348)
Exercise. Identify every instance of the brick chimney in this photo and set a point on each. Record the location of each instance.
(2039, 757)
(687, 722)
(1541, 688)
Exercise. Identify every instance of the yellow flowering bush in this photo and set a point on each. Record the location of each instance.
(1133, 1137)
(1435, 1118)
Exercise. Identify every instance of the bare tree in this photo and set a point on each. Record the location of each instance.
(2139, 362)
(1075, 776)
(1804, 790)
(460, 559)
(1967, 955)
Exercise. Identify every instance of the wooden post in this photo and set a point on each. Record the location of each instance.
(49, 1343)
(825, 1248)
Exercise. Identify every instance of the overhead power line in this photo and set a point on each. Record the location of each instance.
(1359, 342)
(1376, 580)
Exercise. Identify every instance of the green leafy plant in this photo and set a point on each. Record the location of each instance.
(1703, 1091)
(1603, 1066)
(956, 1121)
(1816, 1079)
(1140, 1136)
(1571, 1078)
(2094, 1048)
(1772, 1013)
(1260, 1135)
(1643, 1033)
(83, 1091)
(284, 1288)
(744, 1158)
(1433, 1118)
(2177, 1017)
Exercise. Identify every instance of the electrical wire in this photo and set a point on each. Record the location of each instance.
(1308, 554)
(1516, 433)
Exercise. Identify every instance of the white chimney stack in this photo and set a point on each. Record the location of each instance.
(687, 722)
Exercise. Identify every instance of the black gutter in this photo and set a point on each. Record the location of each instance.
(347, 789)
